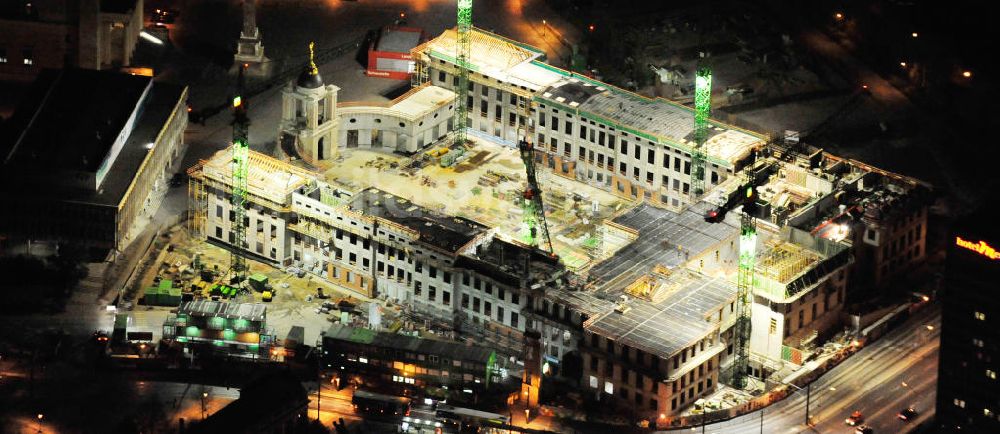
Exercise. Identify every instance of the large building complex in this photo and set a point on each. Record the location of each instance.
(968, 397)
(634, 146)
(650, 318)
(90, 34)
(84, 151)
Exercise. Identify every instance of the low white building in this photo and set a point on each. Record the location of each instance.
(406, 124)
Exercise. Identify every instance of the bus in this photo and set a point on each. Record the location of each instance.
(467, 420)
(378, 404)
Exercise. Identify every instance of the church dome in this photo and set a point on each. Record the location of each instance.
(309, 79)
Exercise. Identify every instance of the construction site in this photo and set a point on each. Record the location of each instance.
(686, 246)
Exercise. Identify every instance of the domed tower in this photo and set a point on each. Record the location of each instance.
(309, 126)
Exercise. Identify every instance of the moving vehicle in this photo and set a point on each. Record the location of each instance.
(907, 414)
(864, 429)
(855, 418)
(467, 420)
(378, 404)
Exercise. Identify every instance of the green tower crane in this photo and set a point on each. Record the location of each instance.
(702, 109)
(755, 173)
(534, 209)
(744, 283)
(464, 19)
(241, 153)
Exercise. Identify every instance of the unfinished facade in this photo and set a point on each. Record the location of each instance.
(651, 319)
(636, 147)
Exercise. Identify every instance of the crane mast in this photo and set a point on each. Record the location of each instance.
(534, 210)
(702, 109)
(464, 27)
(744, 283)
(241, 151)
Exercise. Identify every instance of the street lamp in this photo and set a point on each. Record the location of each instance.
(839, 16)
(902, 64)
(967, 74)
(204, 408)
(914, 34)
(40, 417)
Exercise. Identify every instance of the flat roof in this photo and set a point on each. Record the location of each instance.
(447, 233)
(665, 237)
(672, 324)
(496, 57)
(155, 112)
(508, 262)
(398, 39)
(444, 349)
(247, 311)
(423, 100)
(652, 116)
(74, 122)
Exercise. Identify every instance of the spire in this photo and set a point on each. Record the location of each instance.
(309, 78)
(313, 70)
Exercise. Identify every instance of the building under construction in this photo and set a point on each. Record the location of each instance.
(652, 320)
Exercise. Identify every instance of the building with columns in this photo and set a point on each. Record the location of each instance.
(309, 126)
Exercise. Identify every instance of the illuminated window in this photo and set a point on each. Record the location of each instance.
(980, 316)
(3, 55)
(593, 382)
(29, 58)
(959, 403)
(991, 374)
(363, 359)
(609, 388)
(977, 342)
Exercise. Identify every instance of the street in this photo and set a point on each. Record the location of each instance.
(896, 371)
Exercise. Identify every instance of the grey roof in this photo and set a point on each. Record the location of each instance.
(152, 118)
(665, 237)
(446, 233)
(398, 39)
(675, 322)
(654, 116)
(74, 122)
(445, 349)
(247, 311)
(508, 262)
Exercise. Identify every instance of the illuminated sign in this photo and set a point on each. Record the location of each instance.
(981, 248)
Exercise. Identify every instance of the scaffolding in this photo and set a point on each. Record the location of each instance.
(786, 261)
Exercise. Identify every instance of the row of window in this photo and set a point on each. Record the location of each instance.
(27, 56)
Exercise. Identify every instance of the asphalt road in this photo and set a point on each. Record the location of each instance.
(894, 372)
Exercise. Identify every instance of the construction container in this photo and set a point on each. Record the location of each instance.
(258, 282)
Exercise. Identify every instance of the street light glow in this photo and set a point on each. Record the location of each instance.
(838, 16)
(967, 74)
(914, 34)
(150, 38)
(903, 64)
